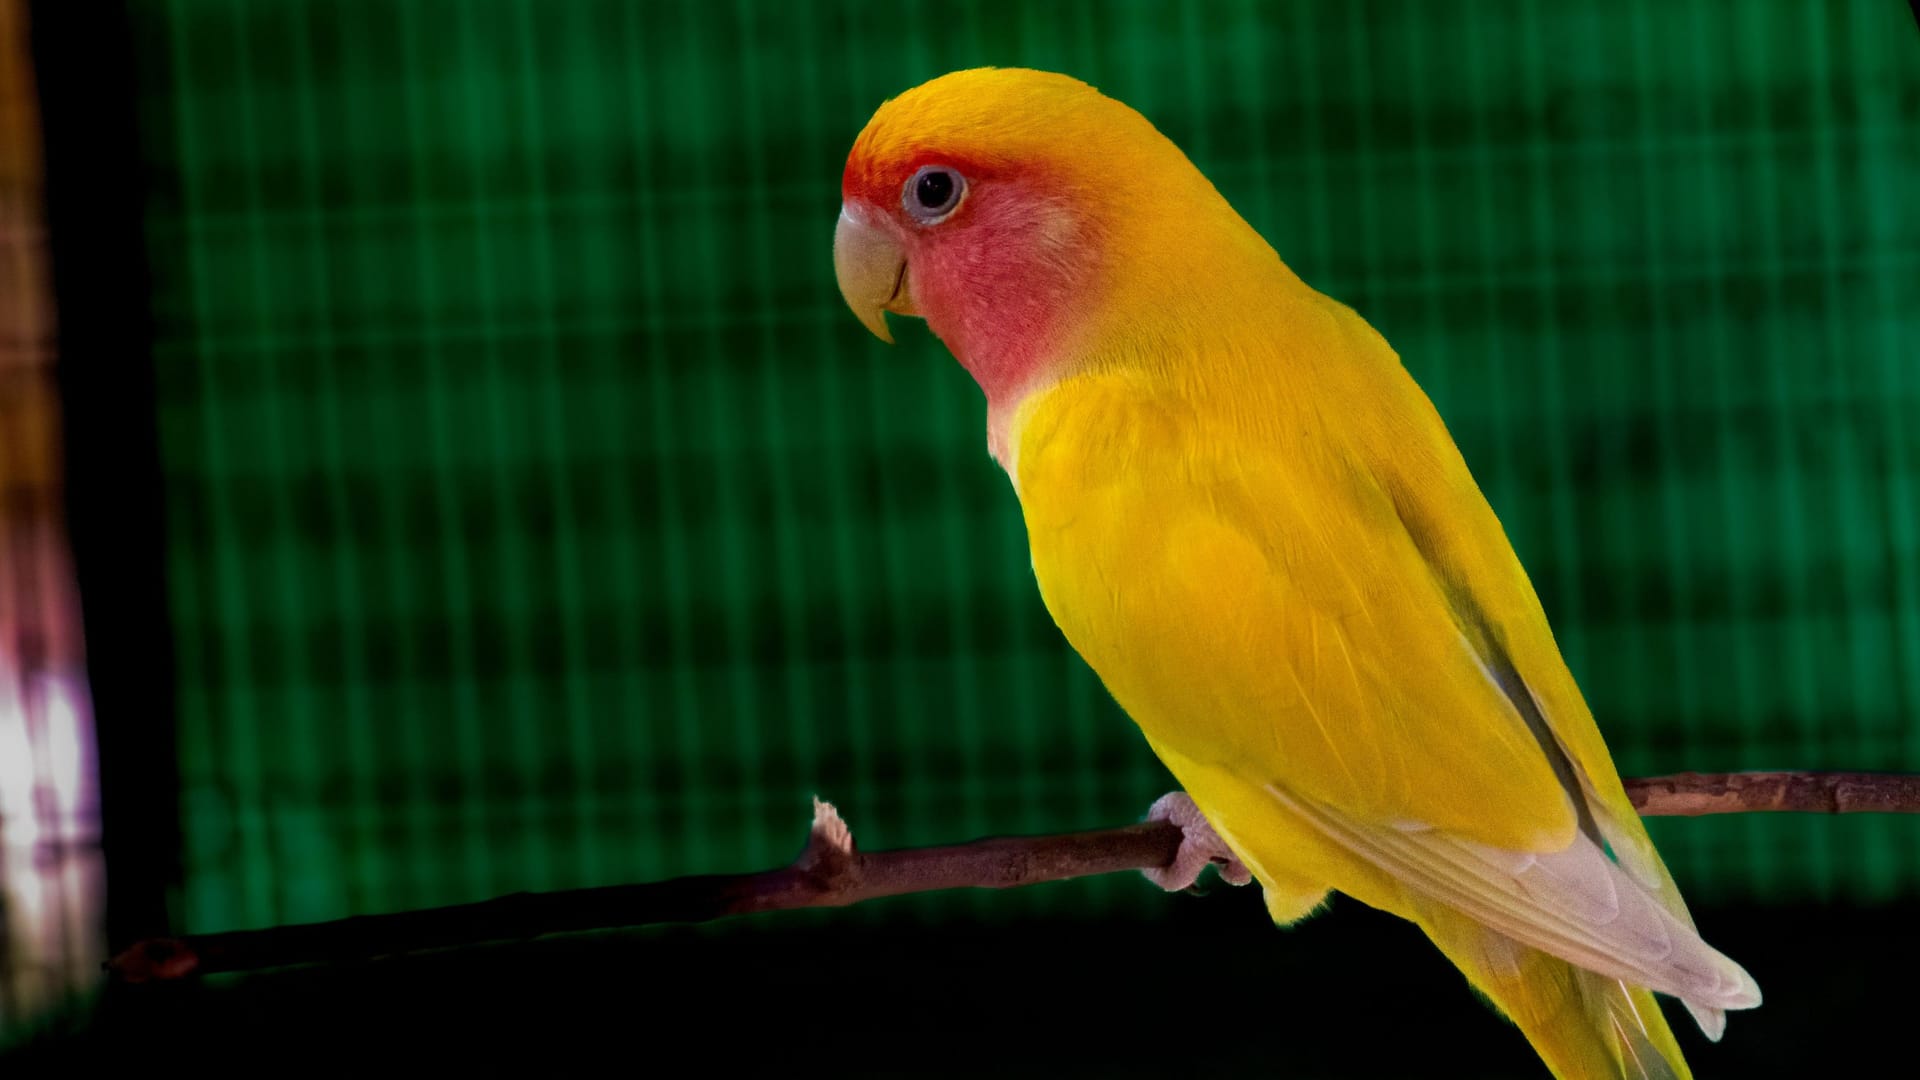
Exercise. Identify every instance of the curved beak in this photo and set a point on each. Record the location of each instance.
(872, 271)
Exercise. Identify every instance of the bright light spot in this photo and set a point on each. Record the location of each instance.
(51, 874)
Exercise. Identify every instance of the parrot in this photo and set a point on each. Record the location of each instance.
(1253, 525)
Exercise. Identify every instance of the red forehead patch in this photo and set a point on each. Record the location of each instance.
(877, 180)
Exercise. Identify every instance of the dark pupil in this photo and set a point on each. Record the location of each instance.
(934, 189)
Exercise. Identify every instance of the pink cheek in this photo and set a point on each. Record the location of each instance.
(960, 258)
(938, 271)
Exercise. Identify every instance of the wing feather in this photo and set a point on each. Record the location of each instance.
(1209, 580)
(1576, 904)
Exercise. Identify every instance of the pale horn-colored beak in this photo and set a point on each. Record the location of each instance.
(872, 271)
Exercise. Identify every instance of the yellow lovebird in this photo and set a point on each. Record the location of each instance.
(1253, 525)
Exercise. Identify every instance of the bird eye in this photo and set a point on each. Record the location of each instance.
(932, 193)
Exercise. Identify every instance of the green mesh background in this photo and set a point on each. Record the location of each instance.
(539, 517)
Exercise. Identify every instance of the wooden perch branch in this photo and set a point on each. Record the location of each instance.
(1691, 794)
(830, 873)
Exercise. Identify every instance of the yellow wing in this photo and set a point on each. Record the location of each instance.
(1337, 653)
(1268, 614)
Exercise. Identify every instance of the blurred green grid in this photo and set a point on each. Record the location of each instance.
(538, 517)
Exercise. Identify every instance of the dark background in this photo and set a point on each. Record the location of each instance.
(478, 486)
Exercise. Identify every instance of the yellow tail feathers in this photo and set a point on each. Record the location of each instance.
(1584, 1026)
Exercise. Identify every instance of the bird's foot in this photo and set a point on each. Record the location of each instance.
(1199, 845)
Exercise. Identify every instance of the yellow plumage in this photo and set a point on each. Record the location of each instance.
(1254, 526)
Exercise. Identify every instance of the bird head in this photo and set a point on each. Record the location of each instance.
(1018, 212)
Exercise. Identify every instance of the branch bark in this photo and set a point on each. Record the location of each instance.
(831, 873)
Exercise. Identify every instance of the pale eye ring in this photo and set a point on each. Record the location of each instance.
(932, 193)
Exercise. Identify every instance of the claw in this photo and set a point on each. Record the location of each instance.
(1199, 846)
